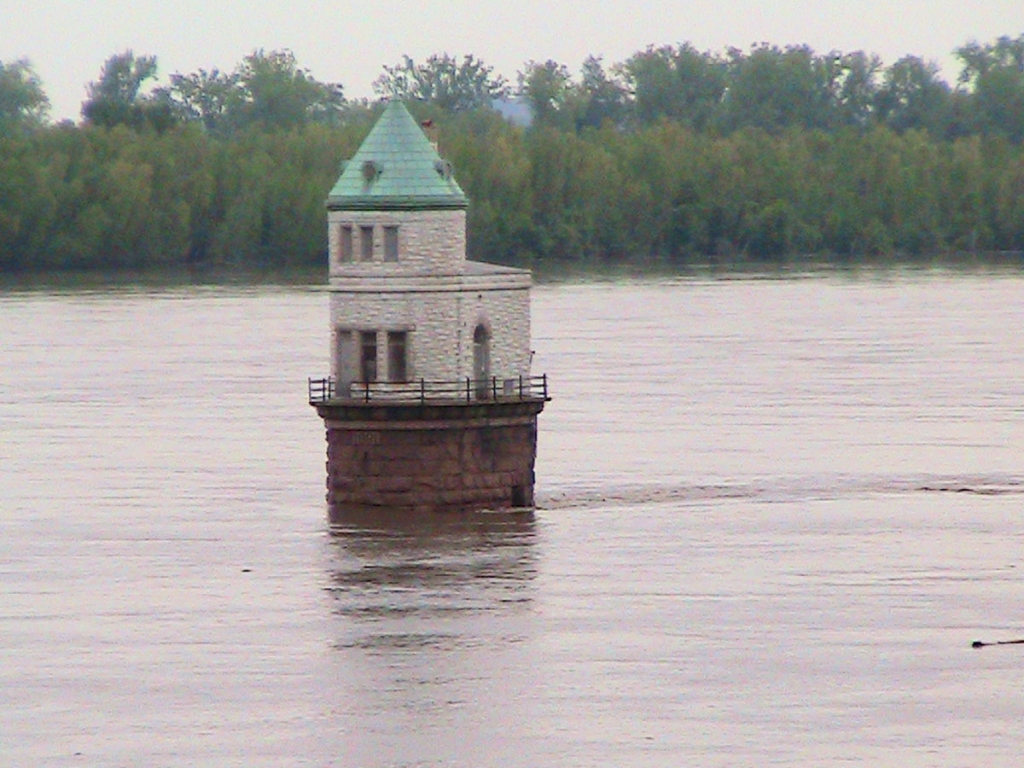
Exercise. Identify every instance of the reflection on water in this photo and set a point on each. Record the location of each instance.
(436, 569)
(432, 609)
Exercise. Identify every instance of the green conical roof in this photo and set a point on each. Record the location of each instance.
(396, 167)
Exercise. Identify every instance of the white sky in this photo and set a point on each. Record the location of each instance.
(67, 41)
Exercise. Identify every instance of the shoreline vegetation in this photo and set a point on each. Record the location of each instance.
(675, 161)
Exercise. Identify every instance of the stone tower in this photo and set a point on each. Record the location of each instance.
(431, 403)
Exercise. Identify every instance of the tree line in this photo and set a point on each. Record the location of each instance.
(673, 156)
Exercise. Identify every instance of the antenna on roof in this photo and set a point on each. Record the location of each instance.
(432, 133)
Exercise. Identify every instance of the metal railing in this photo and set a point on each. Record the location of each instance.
(493, 389)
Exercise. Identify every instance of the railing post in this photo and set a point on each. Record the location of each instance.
(319, 390)
(323, 390)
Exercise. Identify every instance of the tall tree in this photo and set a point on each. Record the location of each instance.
(857, 88)
(994, 73)
(277, 93)
(443, 80)
(23, 103)
(211, 98)
(680, 84)
(912, 95)
(269, 90)
(602, 97)
(116, 98)
(547, 87)
(773, 88)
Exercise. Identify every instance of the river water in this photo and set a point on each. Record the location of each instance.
(773, 513)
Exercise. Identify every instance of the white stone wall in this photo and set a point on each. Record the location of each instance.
(431, 293)
(428, 241)
(440, 326)
(506, 315)
(430, 319)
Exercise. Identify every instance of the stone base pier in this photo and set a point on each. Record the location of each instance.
(430, 456)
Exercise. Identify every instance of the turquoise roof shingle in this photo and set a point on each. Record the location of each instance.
(396, 168)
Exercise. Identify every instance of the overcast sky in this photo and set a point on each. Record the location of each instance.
(67, 41)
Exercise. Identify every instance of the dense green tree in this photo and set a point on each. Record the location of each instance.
(211, 98)
(856, 89)
(995, 75)
(444, 81)
(651, 160)
(679, 84)
(912, 95)
(277, 93)
(772, 88)
(267, 90)
(978, 59)
(601, 97)
(116, 98)
(23, 103)
(557, 101)
(547, 87)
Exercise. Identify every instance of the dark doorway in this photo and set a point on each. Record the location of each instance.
(482, 361)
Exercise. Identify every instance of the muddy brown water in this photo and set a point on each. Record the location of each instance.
(773, 515)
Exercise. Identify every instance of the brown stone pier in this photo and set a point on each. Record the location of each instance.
(430, 456)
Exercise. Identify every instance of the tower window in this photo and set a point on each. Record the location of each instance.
(398, 369)
(366, 243)
(368, 356)
(345, 244)
(390, 243)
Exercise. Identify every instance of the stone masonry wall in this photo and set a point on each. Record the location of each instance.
(433, 465)
(506, 315)
(428, 241)
(430, 319)
(440, 325)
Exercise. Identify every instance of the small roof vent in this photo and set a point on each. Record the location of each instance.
(443, 168)
(371, 170)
